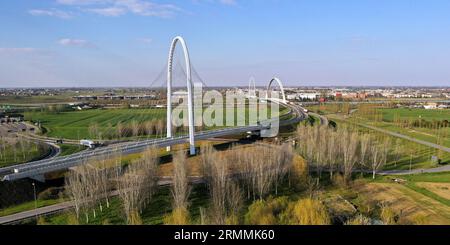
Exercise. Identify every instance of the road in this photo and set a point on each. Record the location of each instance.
(55, 208)
(35, 212)
(323, 120)
(38, 168)
(402, 136)
(413, 171)
(55, 150)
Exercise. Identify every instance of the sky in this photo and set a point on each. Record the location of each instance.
(83, 43)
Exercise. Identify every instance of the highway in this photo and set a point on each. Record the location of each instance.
(38, 168)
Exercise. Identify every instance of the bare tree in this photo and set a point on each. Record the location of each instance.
(332, 152)
(120, 129)
(150, 127)
(282, 162)
(349, 146)
(226, 197)
(93, 130)
(364, 148)
(134, 128)
(376, 159)
(180, 185)
(137, 185)
(78, 184)
(74, 187)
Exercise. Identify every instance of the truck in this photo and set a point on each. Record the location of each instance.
(89, 143)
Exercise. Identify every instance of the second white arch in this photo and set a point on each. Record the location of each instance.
(275, 79)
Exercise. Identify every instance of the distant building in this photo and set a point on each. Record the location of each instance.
(430, 106)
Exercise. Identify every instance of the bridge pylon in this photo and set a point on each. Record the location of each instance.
(190, 89)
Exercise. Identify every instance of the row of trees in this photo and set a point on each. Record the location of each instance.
(124, 130)
(342, 149)
(257, 171)
(133, 129)
(137, 185)
(91, 184)
(88, 185)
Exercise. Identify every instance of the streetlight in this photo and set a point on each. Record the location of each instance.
(35, 200)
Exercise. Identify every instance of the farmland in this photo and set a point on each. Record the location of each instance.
(78, 124)
(75, 124)
(420, 198)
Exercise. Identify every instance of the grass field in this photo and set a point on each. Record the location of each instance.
(405, 113)
(70, 149)
(16, 152)
(410, 153)
(27, 206)
(75, 124)
(422, 133)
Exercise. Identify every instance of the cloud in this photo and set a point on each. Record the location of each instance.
(81, 2)
(112, 11)
(68, 42)
(224, 2)
(50, 13)
(122, 7)
(17, 50)
(145, 40)
(228, 2)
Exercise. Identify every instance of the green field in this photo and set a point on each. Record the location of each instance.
(70, 149)
(423, 133)
(410, 153)
(405, 113)
(20, 152)
(75, 124)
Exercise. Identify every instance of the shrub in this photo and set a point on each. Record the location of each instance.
(266, 212)
(388, 215)
(359, 220)
(299, 173)
(48, 194)
(179, 216)
(259, 213)
(72, 219)
(306, 212)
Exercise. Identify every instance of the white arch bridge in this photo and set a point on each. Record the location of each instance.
(37, 169)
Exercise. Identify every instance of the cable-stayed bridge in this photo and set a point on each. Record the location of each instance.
(37, 169)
